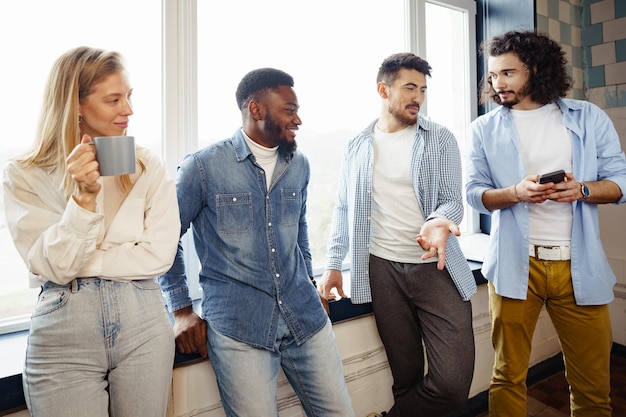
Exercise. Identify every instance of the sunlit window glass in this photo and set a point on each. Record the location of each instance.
(332, 49)
(449, 86)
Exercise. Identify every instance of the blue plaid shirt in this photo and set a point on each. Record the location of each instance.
(437, 181)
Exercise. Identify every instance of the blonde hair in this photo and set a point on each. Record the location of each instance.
(71, 80)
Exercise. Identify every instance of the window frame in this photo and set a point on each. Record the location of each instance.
(180, 105)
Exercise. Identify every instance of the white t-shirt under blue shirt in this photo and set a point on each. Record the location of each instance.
(396, 214)
(545, 146)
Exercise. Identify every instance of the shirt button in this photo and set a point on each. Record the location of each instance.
(280, 302)
(234, 199)
(277, 275)
(270, 224)
(293, 194)
(273, 250)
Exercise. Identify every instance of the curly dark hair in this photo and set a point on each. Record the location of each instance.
(543, 57)
(258, 81)
(390, 68)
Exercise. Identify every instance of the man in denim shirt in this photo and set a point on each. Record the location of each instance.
(246, 199)
(401, 188)
(545, 248)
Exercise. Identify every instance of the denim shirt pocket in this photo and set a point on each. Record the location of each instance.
(234, 213)
(290, 206)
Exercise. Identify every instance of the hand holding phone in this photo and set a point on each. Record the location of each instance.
(554, 176)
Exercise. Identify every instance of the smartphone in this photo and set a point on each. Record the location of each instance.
(554, 176)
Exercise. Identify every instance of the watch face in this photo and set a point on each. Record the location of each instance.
(585, 190)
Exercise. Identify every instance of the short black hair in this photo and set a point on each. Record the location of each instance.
(258, 80)
(391, 66)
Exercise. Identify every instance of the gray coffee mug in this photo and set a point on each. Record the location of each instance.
(115, 154)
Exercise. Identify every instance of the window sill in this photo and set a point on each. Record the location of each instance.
(13, 346)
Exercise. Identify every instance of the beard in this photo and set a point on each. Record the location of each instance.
(520, 95)
(274, 130)
(401, 116)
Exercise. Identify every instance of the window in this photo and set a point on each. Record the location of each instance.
(332, 52)
(187, 57)
(452, 88)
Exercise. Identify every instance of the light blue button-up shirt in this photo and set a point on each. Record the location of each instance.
(494, 162)
(437, 181)
(252, 243)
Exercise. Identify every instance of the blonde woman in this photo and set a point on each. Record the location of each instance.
(100, 340)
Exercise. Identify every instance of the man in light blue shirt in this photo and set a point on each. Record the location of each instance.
(245, 198)
(399, 201)
(545, 247)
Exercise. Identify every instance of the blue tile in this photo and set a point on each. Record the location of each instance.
(553, 9)
(595, 77)
(621, 97)
(592, 34)
(578, 94)
(586, 57)
(610, 97)
(620, 50)
(577, 57)
(566, 33)
(620, 8)
(576, 14)
(586, 16)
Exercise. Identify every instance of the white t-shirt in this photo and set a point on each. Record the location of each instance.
(396, 214)
(545, 146)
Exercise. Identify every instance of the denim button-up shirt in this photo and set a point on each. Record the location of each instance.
(494, 162)
(252, 244)
(437, 181)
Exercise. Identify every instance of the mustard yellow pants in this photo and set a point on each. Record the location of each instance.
(584, 334)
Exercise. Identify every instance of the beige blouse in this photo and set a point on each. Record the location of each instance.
(60, 241)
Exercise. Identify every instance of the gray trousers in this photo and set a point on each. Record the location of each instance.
(417, 307)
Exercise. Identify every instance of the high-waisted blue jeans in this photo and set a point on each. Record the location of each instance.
(99, 348)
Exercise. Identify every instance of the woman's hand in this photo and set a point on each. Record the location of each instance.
(83, 168)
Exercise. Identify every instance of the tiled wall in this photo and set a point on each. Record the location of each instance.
(593, 35)
(562, 20)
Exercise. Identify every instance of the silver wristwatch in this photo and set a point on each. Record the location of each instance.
(584, 190)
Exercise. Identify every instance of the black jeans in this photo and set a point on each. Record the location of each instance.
(417, 307)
